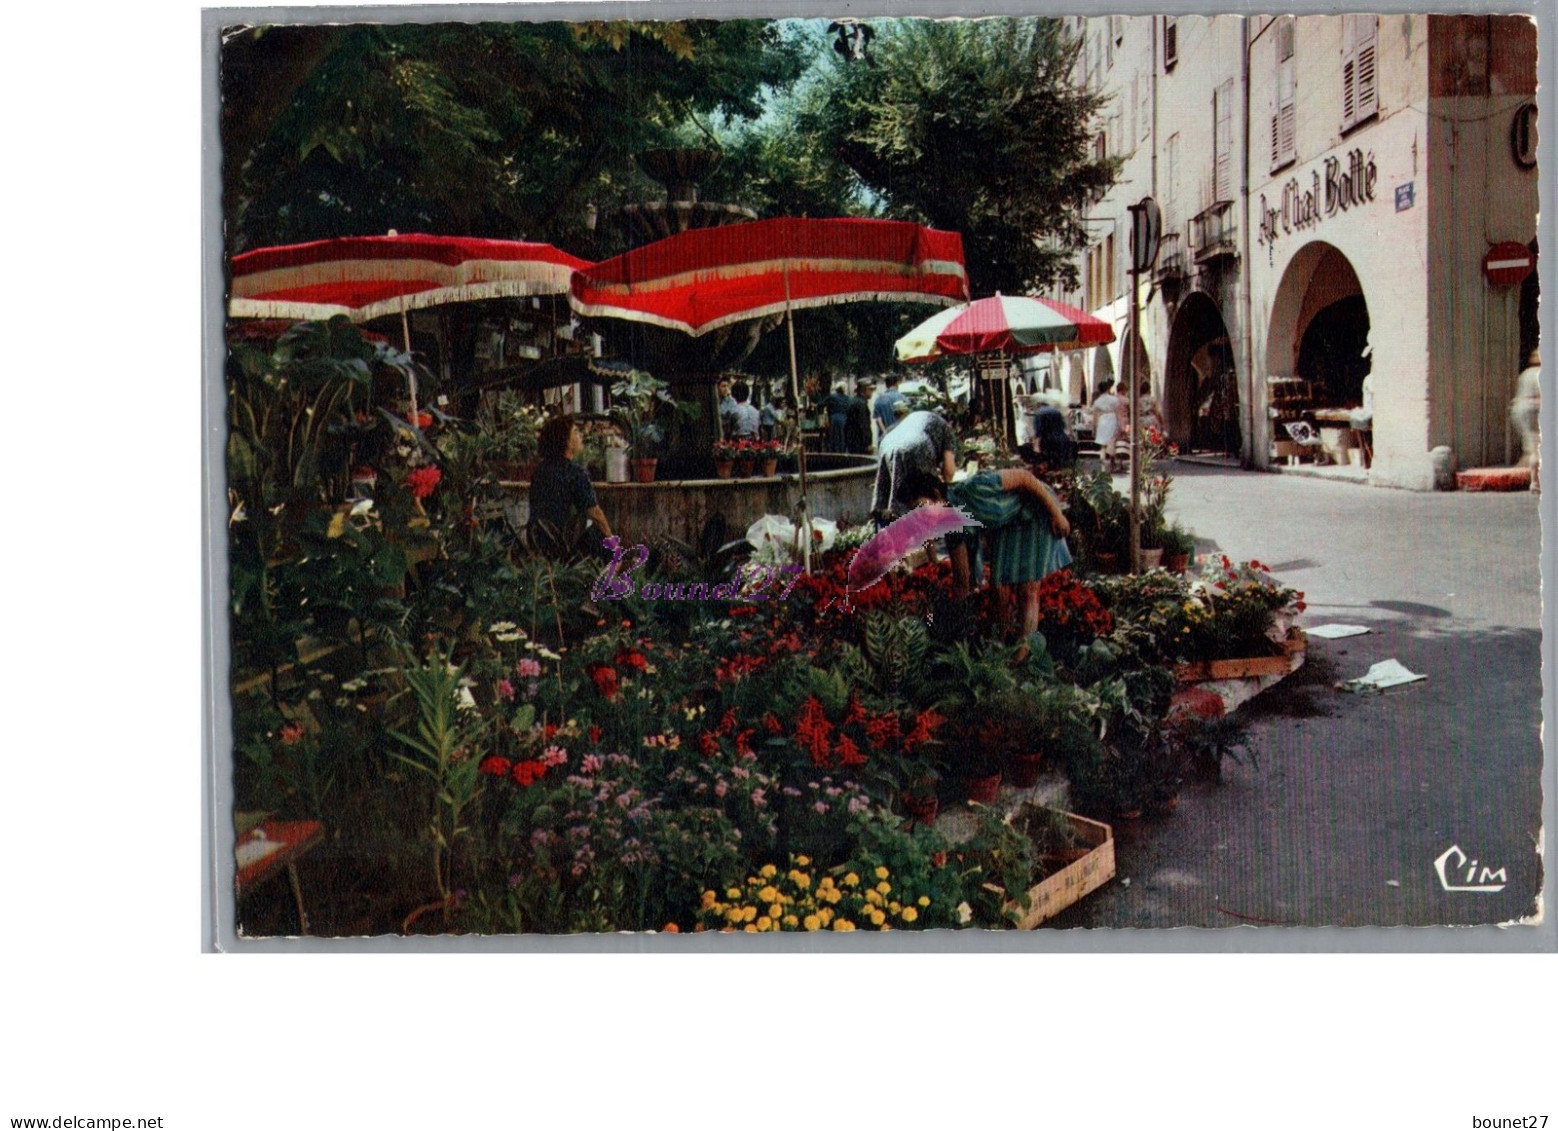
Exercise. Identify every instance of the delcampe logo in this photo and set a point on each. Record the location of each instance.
(1449, 867)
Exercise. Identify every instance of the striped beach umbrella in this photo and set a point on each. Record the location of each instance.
(1014, 325)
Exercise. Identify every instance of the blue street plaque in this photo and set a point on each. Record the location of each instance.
(1404, 197)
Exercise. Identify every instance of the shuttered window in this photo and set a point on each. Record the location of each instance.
(1360, 69)
(1284, 148)
(1144, 109)
(1222, 142)
(1170, 43)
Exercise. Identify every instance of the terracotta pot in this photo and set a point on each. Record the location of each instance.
(1024, 770)
(1176, 563)
(644, 470)
(743, 468)
(770, 466)
(1151, 558)
(1108, 563)
(723, 467)
(922, 809)
(983, 790)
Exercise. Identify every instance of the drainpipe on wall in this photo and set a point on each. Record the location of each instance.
(1245, 314)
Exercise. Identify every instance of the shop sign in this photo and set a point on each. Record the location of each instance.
(1332, 188)
(1406, 196)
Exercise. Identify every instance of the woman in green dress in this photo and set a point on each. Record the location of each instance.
(1026, 526)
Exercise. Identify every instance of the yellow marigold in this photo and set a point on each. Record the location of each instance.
(769, 894)
(734, 915)
(832, 895)
(884, 887)
(791, 921)
(851, 880)
(774, 911)
(824, 883)
(800, 879)
(877, 917)
(812, 922)
(750, 928)
(768, 871)
(882, 873)
(874, 898)
(843, 925)
(764, 922)
(803, 861)
(732, 893)
(825, 914)
(909, 914)
(709, 899)
(749, 913)
(894, 906)
(923, 901)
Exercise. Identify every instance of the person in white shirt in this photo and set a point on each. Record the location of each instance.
(1106, 423)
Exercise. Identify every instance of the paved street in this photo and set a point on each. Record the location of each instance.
(1353, 797)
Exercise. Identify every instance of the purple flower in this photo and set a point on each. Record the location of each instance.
(758, 798)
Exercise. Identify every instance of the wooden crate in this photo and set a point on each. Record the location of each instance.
(1256, 666)
(1088, 869)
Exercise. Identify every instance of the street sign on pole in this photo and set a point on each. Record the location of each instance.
(1507, 264)
(1146, 233)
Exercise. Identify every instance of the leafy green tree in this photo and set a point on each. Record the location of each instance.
(506, 130)
(974, 126)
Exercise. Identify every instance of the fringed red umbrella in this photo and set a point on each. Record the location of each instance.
(706, 278)
(367, 277)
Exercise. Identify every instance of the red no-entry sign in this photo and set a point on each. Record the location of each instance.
(1507, 264)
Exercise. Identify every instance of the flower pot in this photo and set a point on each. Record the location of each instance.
(1024, 770)
(922, 809)
(983, 790)
(1176, 563)
(724, 467)
(770, 466)
(616, 465)
(644, 470)
(1151, 558)
(743, 468)
(1107, 563)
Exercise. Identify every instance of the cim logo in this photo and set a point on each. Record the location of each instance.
(1449, 867)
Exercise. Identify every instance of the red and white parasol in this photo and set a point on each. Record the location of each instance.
(1015, 325)
(367, 277)
(706, 278)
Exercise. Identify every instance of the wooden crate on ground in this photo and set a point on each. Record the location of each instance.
(1289, 661)
(1085, 869)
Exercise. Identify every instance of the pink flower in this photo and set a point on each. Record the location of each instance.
(505, 689)
(291, 734)
(592, 764)
(529, 669)
(554, 756)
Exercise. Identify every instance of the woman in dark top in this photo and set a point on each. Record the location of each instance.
(561, 489)
(1056, 449)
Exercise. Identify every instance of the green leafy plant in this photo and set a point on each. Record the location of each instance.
(444, 751)
(640, 398)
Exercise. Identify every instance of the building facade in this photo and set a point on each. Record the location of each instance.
(1330, 187)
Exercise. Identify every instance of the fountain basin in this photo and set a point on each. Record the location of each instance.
(839, 487)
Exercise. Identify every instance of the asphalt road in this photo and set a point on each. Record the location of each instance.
(1352, 798)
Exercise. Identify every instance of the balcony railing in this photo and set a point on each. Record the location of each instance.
(1213, 234)
(1171, 257)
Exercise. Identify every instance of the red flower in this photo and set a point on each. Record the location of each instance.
(528, 772)
(631, 658)
(548, 731)
(708, 745)
(496, 765)
(926, 723)
(772, 724)
(291, 734)
(421, 481)
(594, 735)
(744, 742)
(605, 680)
(812, 731)
(883, 731)
(424, 420)
(849, 754)
(727, 721)
(855, 713)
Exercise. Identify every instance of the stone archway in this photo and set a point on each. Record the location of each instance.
(1200, 380)
(1319, 328)
(1103, 368)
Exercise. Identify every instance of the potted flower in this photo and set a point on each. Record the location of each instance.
(515, 431)
(768, 453)
(640, 396)
(1014, 725)
(725, 453)
(1178, 544)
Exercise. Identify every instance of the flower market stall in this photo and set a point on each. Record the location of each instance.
(494, 742)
